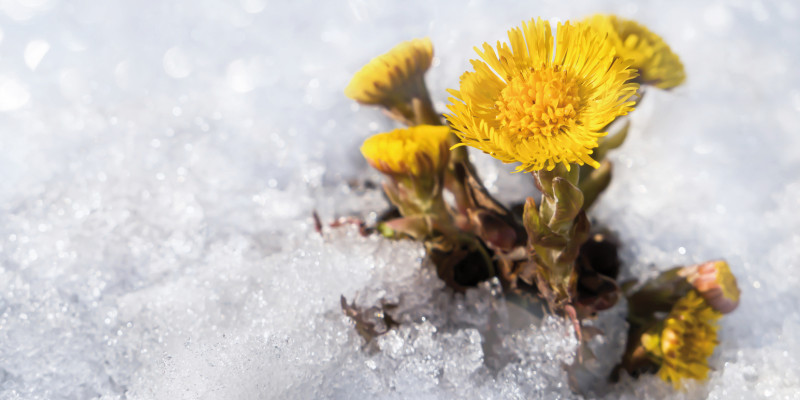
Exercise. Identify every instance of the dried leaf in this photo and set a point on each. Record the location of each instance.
(371, 322)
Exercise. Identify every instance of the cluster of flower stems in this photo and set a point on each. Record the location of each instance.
(555, 107)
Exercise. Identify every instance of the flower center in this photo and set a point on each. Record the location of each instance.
(539, 102)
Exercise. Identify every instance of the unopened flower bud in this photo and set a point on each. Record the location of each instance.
(715, 282)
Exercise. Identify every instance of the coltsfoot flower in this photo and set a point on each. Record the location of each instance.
(685, 340)
(417, 151)
(395, 80)
(657, 64)
(542, 104)
(414, 160)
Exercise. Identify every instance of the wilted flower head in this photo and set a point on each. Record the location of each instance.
(416, 151)
(657, 64)
(395, 77)
(540, 103)
(685, 340)
(716, 283)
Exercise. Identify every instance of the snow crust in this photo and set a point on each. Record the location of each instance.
(161, 162)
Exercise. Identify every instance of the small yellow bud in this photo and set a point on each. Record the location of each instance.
(417, 151)
(394, 77)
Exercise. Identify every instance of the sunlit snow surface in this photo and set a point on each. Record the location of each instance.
(161, 160)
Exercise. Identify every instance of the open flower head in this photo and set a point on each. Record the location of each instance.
(395, 77)
(686, 339)
(417, 151)
(657, 64)
(540, 103)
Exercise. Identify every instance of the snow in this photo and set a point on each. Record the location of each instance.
(161, 162)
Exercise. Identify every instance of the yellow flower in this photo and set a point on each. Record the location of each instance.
(415, 151)
(395, 77)
(542, 104)
(657, 64)
(685, 341)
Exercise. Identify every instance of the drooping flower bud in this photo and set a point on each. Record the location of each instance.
(395, 80)
(651, 56)
(416, 151)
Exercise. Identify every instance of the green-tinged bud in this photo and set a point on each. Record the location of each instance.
(568, 200)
